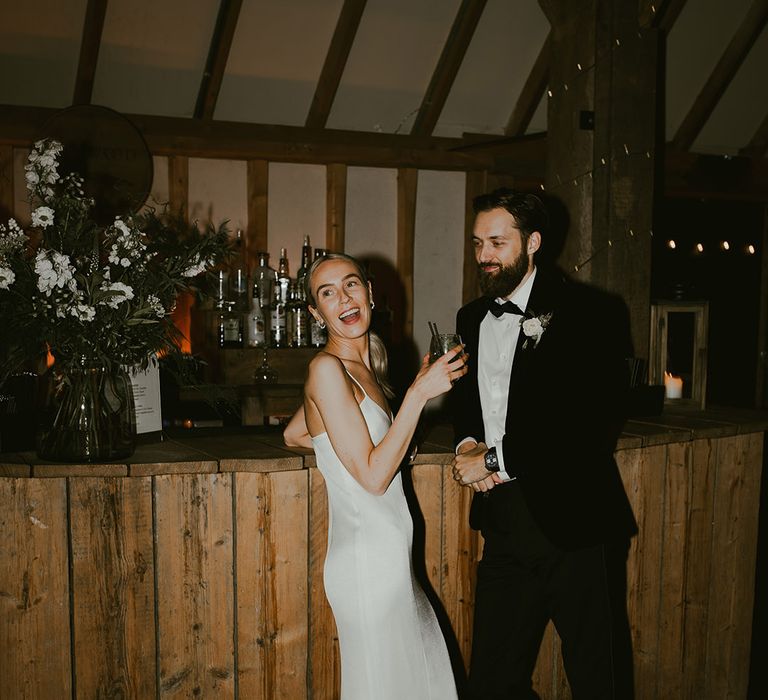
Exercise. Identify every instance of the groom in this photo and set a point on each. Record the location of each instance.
(536, 421)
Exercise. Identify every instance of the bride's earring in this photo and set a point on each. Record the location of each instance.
(320, 323)
(373, 304)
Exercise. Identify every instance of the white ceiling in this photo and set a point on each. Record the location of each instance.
(153, 54)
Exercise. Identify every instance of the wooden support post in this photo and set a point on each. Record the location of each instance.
(6, 182)
(335, 207)
(761, 381)
(476, 184)
(258, 189)
(178, 204)
(407, 180)
(601, 146)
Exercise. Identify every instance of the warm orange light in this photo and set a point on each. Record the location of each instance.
(182, 319)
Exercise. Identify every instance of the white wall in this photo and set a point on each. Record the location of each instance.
(218, 191)
(295, 208)
(438, 253)
(371, 214)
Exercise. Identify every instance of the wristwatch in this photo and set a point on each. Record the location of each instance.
(491, 460)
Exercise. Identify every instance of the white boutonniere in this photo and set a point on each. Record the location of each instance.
(534, 327)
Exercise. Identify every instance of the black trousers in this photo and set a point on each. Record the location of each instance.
(523, 582)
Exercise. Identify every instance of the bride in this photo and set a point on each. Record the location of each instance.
(391, 645)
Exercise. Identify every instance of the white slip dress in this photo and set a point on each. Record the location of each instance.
(391, 645)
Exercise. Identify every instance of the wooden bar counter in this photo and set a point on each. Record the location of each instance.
(195, 569)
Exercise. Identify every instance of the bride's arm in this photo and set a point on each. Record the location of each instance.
(296, 433)
(330, 393)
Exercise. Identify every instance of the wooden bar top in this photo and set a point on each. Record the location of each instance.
(258, 449)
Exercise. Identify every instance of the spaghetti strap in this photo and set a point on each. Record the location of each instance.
(360, 386)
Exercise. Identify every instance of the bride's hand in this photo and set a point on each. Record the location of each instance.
(437, 378)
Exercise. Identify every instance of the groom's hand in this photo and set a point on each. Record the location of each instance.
(469, 468)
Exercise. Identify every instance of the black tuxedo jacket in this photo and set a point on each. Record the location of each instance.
(565, 410)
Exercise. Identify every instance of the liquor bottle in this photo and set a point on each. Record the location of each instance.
(277, 320)
(230, 327)
(283, 276)
(297, 319)
(265, 279)
(222, 289)
(256, 336)
(306, 261)
(238, 276)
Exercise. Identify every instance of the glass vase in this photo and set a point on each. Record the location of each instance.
(87, 415)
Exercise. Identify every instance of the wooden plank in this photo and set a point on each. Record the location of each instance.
(407, 181)
(726, 68)
(427, 513)
(6, 182)
(178, 185)
(324, 676)
(643, 473)
(216, 63)
(476, 184)
(113, 597)
(761, 375)
(195, 138)
(258, 201)
(462, 550)
(659, 13)
(336, 207)
(448, 65)
(34, 590)
(734, 543)
(335, 61)
(55, 471)
(271, 559)
(532, 92)
(544, 673)
(93, 26)
(195, 590)
(673, 565)
(698, 566)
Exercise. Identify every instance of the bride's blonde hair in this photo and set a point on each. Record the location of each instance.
(376, 350)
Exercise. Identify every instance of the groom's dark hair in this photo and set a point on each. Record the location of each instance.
(528, 210)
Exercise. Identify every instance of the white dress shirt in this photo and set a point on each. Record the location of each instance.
(496, 353)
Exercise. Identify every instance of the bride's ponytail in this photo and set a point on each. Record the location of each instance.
(380, 364)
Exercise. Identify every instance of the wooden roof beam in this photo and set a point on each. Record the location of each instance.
(726, 68)
(660, 14)
(335, 62)
(448, 66)
(532, 92)
(214, 138)
(93, 26)
(758, 144)
(218, 53)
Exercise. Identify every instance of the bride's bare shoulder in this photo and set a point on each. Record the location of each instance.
(324, 367)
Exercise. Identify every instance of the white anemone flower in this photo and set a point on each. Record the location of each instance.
(42, 217)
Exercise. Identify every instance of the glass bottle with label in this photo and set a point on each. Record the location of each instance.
(230, 327)
(265, 279)
(256, 334)
(306, 261)
(238, 276)
(283, 276)
(277, 320)
(297, 319)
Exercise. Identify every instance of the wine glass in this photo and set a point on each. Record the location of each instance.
(441, 344)
(264, 374)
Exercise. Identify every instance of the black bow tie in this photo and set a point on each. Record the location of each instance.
(498, 310)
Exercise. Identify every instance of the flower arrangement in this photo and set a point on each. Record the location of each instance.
(85, 291)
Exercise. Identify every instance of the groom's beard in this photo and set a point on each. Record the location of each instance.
(506, 280)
